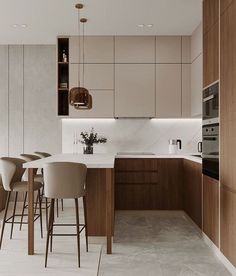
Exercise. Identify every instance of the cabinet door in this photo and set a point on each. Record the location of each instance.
(103, 106)
(210, 14)
(186, 49)
(193, 191)
(168, 90)
(97, 49)
(186, 90)
(135, 49)
(96, 76)
(168, 49)
(135, 90)
(211, 208)
(196, 87)
(211, 55)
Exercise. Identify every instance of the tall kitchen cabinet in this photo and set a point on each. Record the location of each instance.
(228, 129)
(211, 214)
(134, 76)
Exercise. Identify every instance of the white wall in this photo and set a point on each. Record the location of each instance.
(28, 120)
(134, 134)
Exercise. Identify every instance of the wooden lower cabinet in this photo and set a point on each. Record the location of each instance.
(148, 184)
(211, 208)
(96, 202)
(228, 223)
(192, 190)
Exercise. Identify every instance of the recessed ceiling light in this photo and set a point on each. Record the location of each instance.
(15, 25)
(140, 25)
(24, 25)
(149, 25)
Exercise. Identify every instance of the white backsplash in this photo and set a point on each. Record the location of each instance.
(134, 135)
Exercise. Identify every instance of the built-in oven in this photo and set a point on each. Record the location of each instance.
(210, 150)
(211, 104)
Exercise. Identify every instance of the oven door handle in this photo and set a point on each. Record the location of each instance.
(208, 98)
(209, 138)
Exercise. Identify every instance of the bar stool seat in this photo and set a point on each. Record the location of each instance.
(22, 186)
(66, 180)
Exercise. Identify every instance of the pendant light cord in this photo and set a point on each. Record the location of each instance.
(79, 48)
(83, 55)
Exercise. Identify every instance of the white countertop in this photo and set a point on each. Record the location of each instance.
(155, 156)
(90, 160)
(100, 160)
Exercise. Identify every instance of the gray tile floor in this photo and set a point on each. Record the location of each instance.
(158, 243)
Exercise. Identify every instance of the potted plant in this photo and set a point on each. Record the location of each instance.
(88, 139)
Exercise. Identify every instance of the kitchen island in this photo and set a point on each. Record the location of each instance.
(101, 190)
(100, 193)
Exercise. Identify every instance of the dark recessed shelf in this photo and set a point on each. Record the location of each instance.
(62, 76)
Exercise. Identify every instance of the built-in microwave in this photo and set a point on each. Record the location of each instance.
(210, 104)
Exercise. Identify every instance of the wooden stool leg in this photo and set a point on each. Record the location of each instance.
(23, 210)
(13, 215)
(40, 213)
(50, 224)
(85, 221)
(5, 217)
(77, 227)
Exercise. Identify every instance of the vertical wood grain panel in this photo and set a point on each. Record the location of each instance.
(211, 208)
(210, 14)
(16, 100)
(4, 100)
(192, 191)
(211, 55)
(228, 131)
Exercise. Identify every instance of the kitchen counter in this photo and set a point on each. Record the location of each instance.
(163, 156)
(102, 160)
(92, 161)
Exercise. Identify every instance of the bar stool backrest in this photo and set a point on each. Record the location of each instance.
(28, 158)
(43, 154)
(64, 179)
(11, 170)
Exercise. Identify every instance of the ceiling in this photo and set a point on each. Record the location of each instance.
(46, 19)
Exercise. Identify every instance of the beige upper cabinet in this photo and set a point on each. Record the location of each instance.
(168, 91)
(135, 49)
(97, 49)
(186, 49)
(135, 90)
(186, 90)
(96, 76)
(168, 49)
(196, 87)
(103, 106)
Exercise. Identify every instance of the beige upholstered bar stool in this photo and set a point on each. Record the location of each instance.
(65, 180)
(45, 155)
(37, 178)
(12, 170)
